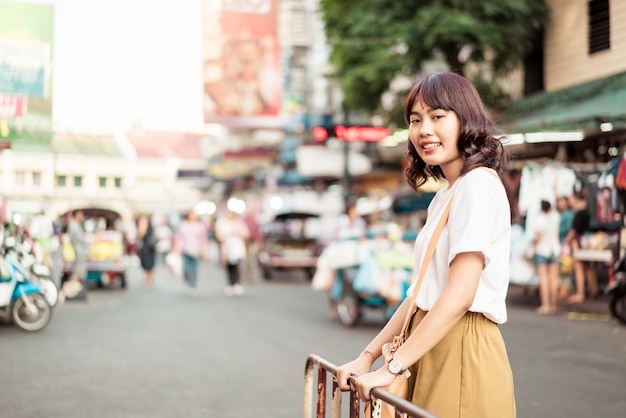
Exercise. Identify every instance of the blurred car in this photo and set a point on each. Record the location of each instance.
(290, 244)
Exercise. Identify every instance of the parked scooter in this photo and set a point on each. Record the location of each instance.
(617, 291)
(20, 299)
(35, 270)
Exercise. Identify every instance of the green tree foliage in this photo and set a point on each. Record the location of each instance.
(373, 41)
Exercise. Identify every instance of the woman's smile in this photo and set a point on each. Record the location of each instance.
(430, 146)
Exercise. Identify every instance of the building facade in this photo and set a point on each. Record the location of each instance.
(581, 114)
(116, 173)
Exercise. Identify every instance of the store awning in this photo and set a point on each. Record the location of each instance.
(595, 106)
(232, 165)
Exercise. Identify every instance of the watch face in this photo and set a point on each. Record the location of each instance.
(395, 366)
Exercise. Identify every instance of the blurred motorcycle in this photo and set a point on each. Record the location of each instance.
(36, 271)
(21, 300)
(617, 291)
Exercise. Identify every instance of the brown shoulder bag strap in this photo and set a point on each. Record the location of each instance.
(429, 253)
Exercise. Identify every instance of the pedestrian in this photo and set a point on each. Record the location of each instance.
(191, 241)
(350, 226)
(454, 351)
(583, 270)
(566, 262)
(164, 234)
(56, 253)
(547, 251)
(253, 243)
(41, 231)
(146, 247)
(566, 217)
(76, 286)
(232, 232)
(128, 226)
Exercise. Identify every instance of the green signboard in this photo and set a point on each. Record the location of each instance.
(26, 32)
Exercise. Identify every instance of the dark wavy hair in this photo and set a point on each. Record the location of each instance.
(477, 143)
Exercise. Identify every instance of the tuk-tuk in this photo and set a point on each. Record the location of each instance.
(107, 263)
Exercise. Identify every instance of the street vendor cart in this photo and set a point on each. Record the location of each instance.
(373, 272)
(106, 265)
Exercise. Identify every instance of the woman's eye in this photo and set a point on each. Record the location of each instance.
(438, 116)
(413, 121)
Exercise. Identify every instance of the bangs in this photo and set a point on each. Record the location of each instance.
(446, 91)
(432, 92)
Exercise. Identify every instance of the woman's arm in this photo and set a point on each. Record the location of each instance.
(244, 231)
(537, 238)
(390, 330)
(569, 238)
(219, 232)
(363, 363)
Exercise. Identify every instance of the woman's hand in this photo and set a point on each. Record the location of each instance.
(369, 381)
(360, 365)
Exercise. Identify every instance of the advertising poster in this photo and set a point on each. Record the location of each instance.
(241, 63)
(25, 72)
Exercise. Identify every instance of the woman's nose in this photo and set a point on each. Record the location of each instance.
(426, 129)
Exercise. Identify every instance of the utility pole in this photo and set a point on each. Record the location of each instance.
(346, 157)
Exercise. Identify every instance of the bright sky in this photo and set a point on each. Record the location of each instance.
(118, 62)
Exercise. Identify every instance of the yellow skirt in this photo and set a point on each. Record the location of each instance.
(466, 375)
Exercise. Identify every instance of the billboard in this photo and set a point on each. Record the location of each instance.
(242, 77)
(26, 71)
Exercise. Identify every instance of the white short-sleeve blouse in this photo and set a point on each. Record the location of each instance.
(479, 221)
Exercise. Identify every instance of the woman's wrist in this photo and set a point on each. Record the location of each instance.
(369, 354)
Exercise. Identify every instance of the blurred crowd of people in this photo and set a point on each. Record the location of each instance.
(232, 239)
(63, 243)
(558, 233)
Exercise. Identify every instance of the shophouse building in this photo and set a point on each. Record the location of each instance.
(575, 106)
(570, 126)
(146, 172)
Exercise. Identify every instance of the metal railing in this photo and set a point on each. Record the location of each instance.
(403, 408)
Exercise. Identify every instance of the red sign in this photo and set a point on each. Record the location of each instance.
(12, 106)
(351, 133)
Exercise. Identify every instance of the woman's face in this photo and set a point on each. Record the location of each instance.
(435, 134)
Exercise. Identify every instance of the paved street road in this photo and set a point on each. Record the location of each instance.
(155, 352)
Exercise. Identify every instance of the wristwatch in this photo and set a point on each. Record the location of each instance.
(395, 366)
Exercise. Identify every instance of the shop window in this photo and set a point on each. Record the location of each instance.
(20, 178)
(61, 181)
(102, 182)
(37, 178)
(599, 26)
(78, 181)
(148, 182)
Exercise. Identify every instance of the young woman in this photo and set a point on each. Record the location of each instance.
(455, 352)
(584, 271)
(146, 247)
(232, 231)
(547, 255)
(191, 240)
